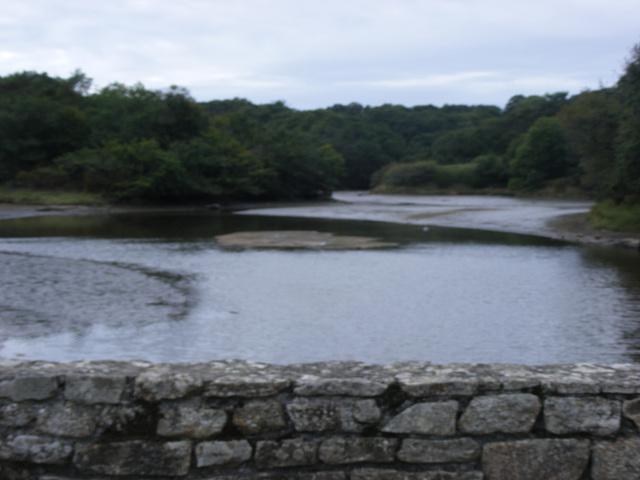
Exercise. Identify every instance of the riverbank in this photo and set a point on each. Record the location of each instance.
(558, 219)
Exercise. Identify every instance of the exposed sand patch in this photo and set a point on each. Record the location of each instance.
(300, 239)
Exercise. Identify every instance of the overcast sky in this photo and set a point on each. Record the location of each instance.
(316, 53)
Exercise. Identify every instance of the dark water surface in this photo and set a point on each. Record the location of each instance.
(158, 287)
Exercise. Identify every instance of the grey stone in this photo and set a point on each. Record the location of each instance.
(190, 421)
(29, 387)
(332, 414)
(66, 420)
(134, 458)
(366, 411)
(153, 386)
(229, 453)
(595, 415)
(286, 453)
(631, 410)
(510, 413)
(314, 415)
(94, 389)
(259, 416)
(245, 386)
(17, 415)
(322, 476)
(379, 474)
(536, 459)
(619, 460)
(336, 451)
(34, 449)
(437, 418)
(357, 387)
(423, 385)
(439, 451)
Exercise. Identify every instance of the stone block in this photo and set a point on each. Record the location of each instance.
(619, 460)
(458, 450)
(438, 418)
(421, 385)
(94, 389)
(229, 453)
(315, 415)
(259, 416)
(190, 421)
(309, 385)
(245, 386)
(594, 415)
(322, 476)
(510, 413)
(337, 451)
(67, 420)
(29, 388)
(34, 449)
(366, 411)
(536, 459)
(133, 458)
(631, 410)
(286, 453)
(17, 415)
(154, 386)
(378, 474)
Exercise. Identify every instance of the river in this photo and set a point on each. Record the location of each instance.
(466, 282)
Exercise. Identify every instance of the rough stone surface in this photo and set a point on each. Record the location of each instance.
(510, 413)
(29, 388)
(17, 414)
(631, 410)
(153, 386)
(595, 415)
(134, 458)
(357, 387)
(332, 414)
(438, 418)
(94, 389)
(415, 450)
(431, 385)
(229, 453)
(245, 386)
(380, 474)
(190, 421)
(30, 448)
(286, 453)
(366, 411)
(260, 416)
(336, 451)
(67, 420)
(619, 460)
(536, 459)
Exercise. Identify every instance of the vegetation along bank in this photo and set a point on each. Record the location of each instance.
(130, 144)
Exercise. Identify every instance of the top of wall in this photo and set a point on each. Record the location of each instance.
(231, 378)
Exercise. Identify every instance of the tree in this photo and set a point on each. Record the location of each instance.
(626, 177)
(542, 155)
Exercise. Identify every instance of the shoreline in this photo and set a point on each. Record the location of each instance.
(572, 227)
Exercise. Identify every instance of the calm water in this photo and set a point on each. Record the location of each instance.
(159, 288)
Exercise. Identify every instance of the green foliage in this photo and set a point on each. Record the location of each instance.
(542, 156)
(620, 217)
(491, 171)
(626, 175)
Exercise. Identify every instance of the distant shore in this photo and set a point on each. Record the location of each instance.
(572, 227)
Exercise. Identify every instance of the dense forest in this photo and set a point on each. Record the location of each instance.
(130, 143)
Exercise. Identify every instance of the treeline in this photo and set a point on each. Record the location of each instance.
(133, 143)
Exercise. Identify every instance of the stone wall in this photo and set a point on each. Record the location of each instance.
(328, 421)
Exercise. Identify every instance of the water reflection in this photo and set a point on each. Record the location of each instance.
(117, 286)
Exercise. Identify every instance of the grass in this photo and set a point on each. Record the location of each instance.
(621, 218)
(47, 197)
